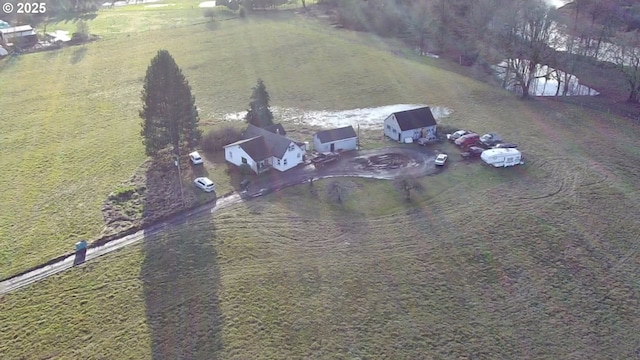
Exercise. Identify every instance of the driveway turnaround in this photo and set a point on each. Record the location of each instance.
(386, 164)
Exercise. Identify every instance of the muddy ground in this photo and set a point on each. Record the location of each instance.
(153, 191)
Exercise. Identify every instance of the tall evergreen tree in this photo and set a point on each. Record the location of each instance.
(259, 113)
(169, 113)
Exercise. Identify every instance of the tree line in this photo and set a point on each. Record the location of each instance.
(55, 9)
(520, 35)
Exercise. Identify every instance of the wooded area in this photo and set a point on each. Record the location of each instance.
(524, 34)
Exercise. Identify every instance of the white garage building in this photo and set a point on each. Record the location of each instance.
(415, 124)
(341, 139)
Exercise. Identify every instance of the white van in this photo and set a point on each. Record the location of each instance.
(502, 157)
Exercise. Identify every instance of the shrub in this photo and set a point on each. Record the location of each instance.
(209, 13)
(233, 5)
(123, 193)
(222, 3)
(82, 31)
(216, 139)
(245, 169)
(242, 12)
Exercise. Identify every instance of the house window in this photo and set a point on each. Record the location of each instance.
(278, 161)
(292, 147)
(230, 154)
(244, 161)
(388, 127)
(285, 162)
(298, 155)
(394, 131)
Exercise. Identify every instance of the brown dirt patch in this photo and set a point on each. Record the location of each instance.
(383, 162)
(152, 192)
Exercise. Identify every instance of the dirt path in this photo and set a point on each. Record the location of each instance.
(385, 164)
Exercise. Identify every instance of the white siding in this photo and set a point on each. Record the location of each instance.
(391, 124)
(391, 127)
(292, 158)
(234, 155)
(343, 145)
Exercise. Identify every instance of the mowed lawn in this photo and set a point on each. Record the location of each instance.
(479, 269)
(70, 126)
(537, 262)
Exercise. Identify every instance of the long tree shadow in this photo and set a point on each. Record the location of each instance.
(180, 270)
(181, 281)
(78, 54)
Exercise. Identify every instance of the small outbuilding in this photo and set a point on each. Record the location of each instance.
(21, 36)
(341, 139)
(412, 124)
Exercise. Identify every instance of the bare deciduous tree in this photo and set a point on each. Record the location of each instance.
(337, 191)
(525, 34)
(626, 56)
(406, 184)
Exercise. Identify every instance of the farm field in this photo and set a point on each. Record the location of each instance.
(81, 151)
(537, 262)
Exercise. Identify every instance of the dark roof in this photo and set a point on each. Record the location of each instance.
(342, 133)
(256, 147)
(415, 118)
(277, 144)
(276, 129)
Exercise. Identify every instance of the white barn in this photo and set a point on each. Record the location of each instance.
(18, 35)
(263, 150)
(415, 124)
(341, 139)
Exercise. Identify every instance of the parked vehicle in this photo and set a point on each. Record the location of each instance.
(195, 157)
(467, 140)
(456, 135)
(472, 152)
(427, 141)
(322, 159)
(490, 139)
(502, 157)
(441, 159)
(505, 146)
(205, 184)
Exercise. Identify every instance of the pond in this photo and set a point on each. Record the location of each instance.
(547, 82)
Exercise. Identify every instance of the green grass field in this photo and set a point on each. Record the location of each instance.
(537, 262)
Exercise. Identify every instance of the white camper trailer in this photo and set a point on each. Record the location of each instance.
(502, 157)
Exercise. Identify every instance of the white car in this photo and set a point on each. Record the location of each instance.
(456, 135)
(441, 159)
(195, 157)
(205, 184)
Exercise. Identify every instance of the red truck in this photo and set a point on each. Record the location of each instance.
(467, 140)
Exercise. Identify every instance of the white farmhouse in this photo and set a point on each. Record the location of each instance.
(415, 124)
(341, 139)
(263, 150)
